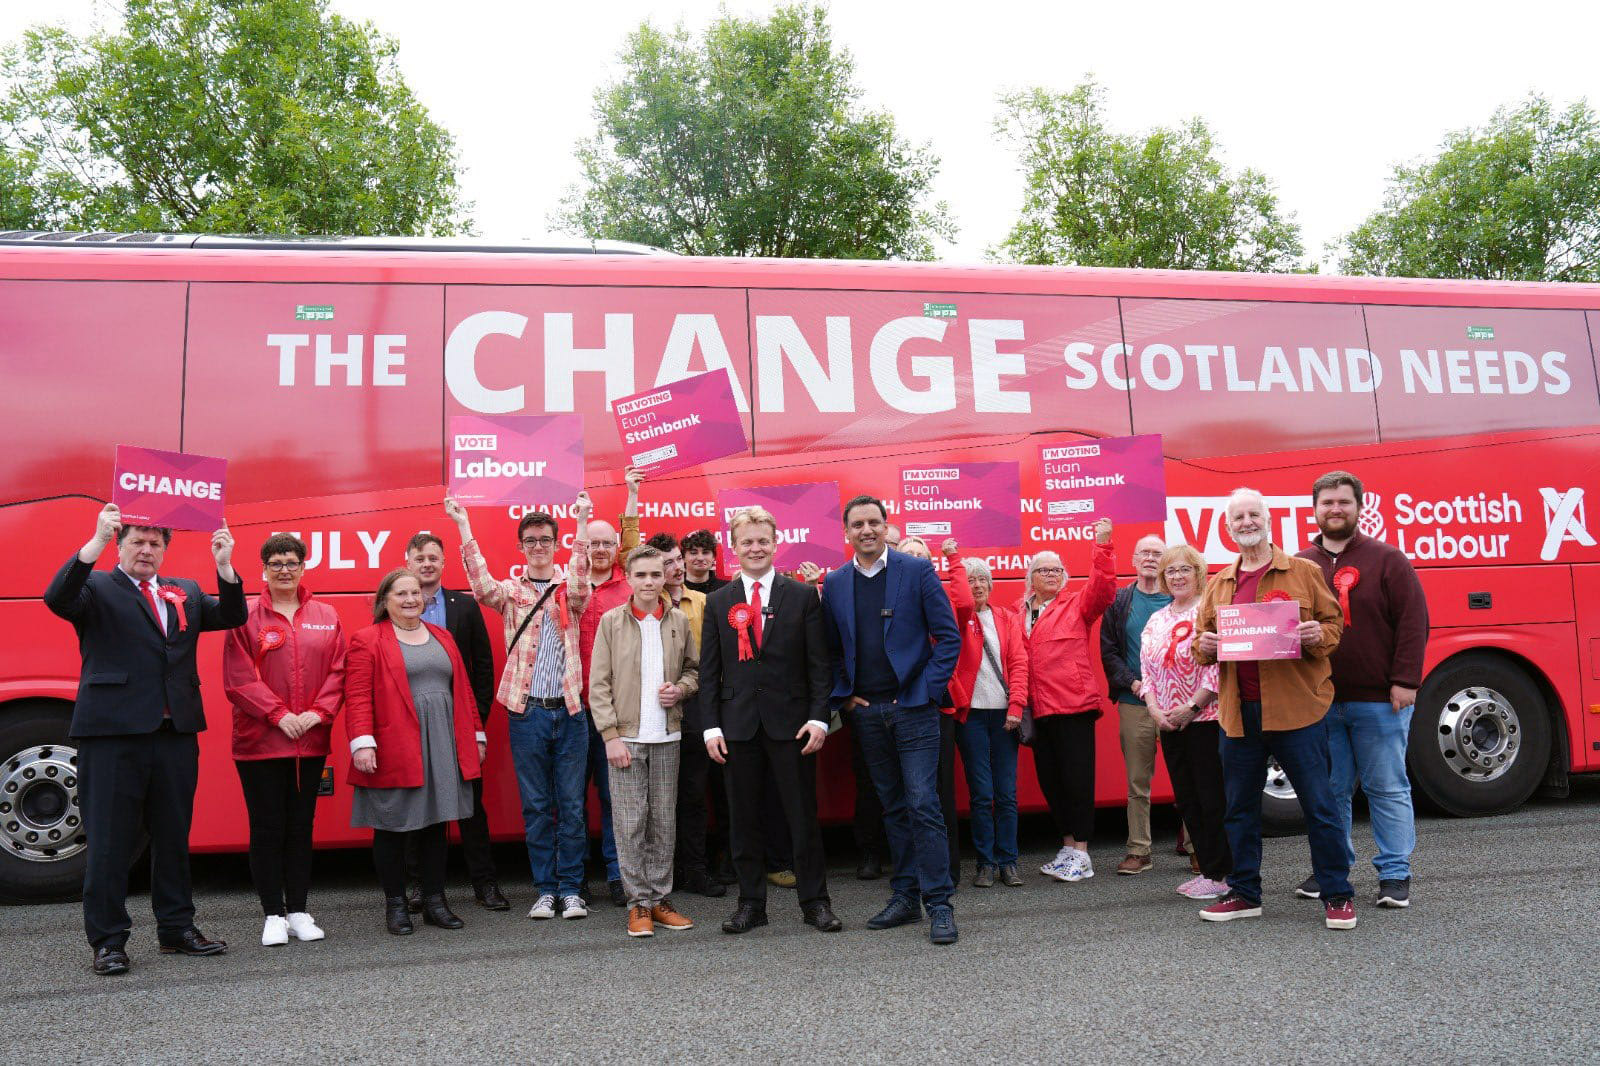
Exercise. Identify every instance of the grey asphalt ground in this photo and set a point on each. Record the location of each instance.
(1496, 961)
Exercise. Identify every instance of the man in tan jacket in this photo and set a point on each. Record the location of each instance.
(1274, 708)
(645, 669)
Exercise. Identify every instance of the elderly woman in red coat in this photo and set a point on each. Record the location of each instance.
(414, 745)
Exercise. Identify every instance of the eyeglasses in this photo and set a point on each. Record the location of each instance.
(1148, 554)
(1049, 570)
(1178, 571)
(538, 542)
(292, 565)
(602, 544)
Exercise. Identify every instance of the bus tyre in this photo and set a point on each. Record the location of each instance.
(1480, 736)
(43, 849)
(1280, 807)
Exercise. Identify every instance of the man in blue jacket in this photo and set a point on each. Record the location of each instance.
(894, 640)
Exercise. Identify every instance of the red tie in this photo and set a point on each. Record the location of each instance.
(755, 607)
(155, 607)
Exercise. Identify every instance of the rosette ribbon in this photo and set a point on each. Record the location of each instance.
(740, 616)
(1345, 579)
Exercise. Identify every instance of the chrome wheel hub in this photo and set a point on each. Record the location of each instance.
(1479, 734)
(39, 816)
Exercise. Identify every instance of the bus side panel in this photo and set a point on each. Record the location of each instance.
(1586, 730)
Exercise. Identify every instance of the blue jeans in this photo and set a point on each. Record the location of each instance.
(548, 751)
(1303, 755)
(989, 755)
(1368, 740)
(600, 774)
(901, 747)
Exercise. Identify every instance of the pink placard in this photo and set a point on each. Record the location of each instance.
(809, 529)
(679, 425)
(156, 488)
(979, 504)
(1120, 478)
(1249, 632)
(500, 460)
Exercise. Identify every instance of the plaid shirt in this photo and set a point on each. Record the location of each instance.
(513, 599)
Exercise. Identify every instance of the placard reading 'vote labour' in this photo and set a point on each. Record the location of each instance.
(1253, 631)
(1120, 478)
(809, 529)
(979, 504)
(679, 425)
(500, 460)
(156, 488)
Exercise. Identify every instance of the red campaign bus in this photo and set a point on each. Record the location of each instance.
(325, 372)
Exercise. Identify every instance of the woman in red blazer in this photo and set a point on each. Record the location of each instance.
(414, 744)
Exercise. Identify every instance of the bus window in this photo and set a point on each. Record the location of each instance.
(1230, 377)
(88, 365)
(316, 389)
(549, 350)
(853, 369)
(1454, 370)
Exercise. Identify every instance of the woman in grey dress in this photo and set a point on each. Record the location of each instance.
(414, 745)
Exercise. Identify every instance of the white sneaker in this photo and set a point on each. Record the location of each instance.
(274, 932)
(1080, 867)
(1066, 869)
(304, 928)
(1055, 866)
(573, 907)
(543, 907)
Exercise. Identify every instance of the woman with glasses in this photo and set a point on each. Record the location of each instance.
(1181, 697)
(283, 671)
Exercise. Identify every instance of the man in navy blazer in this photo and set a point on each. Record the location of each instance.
(135, 721)
(895, 642)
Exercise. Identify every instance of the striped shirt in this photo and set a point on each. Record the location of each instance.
(549, 664)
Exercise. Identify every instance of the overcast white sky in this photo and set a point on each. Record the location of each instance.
(1324, 98)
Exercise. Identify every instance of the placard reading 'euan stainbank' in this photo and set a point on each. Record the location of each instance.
(683, 424)
(1249, 632)
(979, 504)
(1120, 478)
(500, 460)
(172, 489)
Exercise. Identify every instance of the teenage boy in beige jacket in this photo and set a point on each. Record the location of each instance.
(645, 669)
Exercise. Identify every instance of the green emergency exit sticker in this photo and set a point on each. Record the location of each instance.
(1480, 333)
(938, 310)
(313, 312)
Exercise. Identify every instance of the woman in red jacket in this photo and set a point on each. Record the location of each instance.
(991, 679)
(414, 745)
(283, 671)
(1065, 694)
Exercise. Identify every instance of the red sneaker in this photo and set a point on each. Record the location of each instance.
(1339, 913)
(1230, 907)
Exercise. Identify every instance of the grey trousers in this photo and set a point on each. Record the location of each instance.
(644, 820)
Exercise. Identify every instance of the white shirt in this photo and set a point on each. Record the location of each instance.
(877, 566)
(652, 716)
(161, 615)
(765, 581)
(989, 690)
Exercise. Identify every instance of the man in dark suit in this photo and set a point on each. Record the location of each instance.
(460, 614)
(135, 721)
(764, 695)
(895, 640)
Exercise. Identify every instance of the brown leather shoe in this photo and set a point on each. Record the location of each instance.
(1133, 864)
(782, 878)
(666, 915)
(639, 923)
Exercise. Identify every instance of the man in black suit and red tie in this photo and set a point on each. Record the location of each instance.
(135, 721)
(764, 682)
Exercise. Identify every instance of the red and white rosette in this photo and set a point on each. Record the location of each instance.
(176, 598)
(271, 638)
(1180, 633)
(740, 617)
(1344, 579)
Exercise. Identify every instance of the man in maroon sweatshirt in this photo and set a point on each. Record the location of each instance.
(1376, 672)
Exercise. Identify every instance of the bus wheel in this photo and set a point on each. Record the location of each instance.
(42, 842)
(1480, 736)
(1280, 807)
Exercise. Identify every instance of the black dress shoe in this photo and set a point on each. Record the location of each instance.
(435, 911)
(700, 883)
(110, 961)
(820, 916)
(899, 911)
(489, 897)
(619, 895)
(192, 942)
(397, 915)
(870, 868)
(414, 898)
(747, 917)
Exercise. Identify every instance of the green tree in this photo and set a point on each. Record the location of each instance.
(1516, 200)
(263, 116)
(1095, 197)
(751, 141)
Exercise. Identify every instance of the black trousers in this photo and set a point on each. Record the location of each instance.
(281, 798)
(126, 785)
(474, 830)
(1195, 766)
(751, 765)
(947, 789)
(1063, 757)
(698, 839)
(389, 856)
(867, 825)
(775, 828)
